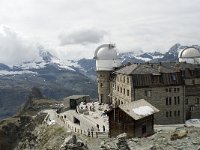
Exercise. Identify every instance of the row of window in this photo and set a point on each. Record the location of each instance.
(122, 90)
(196, 101)
(176, 100)
(123, 79)
(172, 90)
(171, 113)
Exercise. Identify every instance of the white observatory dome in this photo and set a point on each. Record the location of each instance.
(107, 53)
(106, 57)
(189, 55)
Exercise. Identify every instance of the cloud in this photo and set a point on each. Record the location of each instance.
(15, 49)
(82, 36)
(132, 24)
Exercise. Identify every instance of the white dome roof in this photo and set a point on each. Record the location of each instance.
(107, 53)
(190, 52)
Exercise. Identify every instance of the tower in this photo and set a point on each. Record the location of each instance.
(106, 61)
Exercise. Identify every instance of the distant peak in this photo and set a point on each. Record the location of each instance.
(46, 56)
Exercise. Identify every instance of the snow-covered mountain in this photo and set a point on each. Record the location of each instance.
(170, 55)
(87, 66)
(45, 59)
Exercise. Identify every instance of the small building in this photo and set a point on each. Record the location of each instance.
(72, 101)
(135, 118)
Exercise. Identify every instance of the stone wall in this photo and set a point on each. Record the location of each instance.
(172, 111)
(103, 81)
(192, 107)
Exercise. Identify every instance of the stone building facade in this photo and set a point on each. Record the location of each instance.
(173, 88)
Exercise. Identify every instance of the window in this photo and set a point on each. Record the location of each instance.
(175, 113)
(127, 79)
(147, 93)
(170, 89)
(173, 77)
(124, 91)
(178, 99)
(170, 113)
(193, 81)
(186, 101)
(124, 79)
(166, 89)
(178, 89)
(170, 100)
(118, 88)
(175, 90)
(166, 100)
(197, 101)
(166, 113)
(101, 84)
(174, 100)
(191, 108)
(101, 98)
(178, 112)
(127, 92)
(113, 85)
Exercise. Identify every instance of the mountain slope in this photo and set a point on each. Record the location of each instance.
(55, 79)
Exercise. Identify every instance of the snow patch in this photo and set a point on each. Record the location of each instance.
(143, 110)
(4, 72)
(32, 65)
(141, 58)
(157, 57)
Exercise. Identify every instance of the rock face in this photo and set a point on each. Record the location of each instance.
(27, 131)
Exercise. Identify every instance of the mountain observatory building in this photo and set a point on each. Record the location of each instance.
(171, 87)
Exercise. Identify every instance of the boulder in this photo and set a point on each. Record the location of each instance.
(122, 143)
(179, 133)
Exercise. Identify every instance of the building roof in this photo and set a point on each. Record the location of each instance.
(138, 109)
(127, 69)
(146, 68)
(156, 68)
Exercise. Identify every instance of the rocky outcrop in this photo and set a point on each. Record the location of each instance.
(72, 143)
(179, 133)
(122, 142)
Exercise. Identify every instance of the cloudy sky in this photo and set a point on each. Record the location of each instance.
(72, 29)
